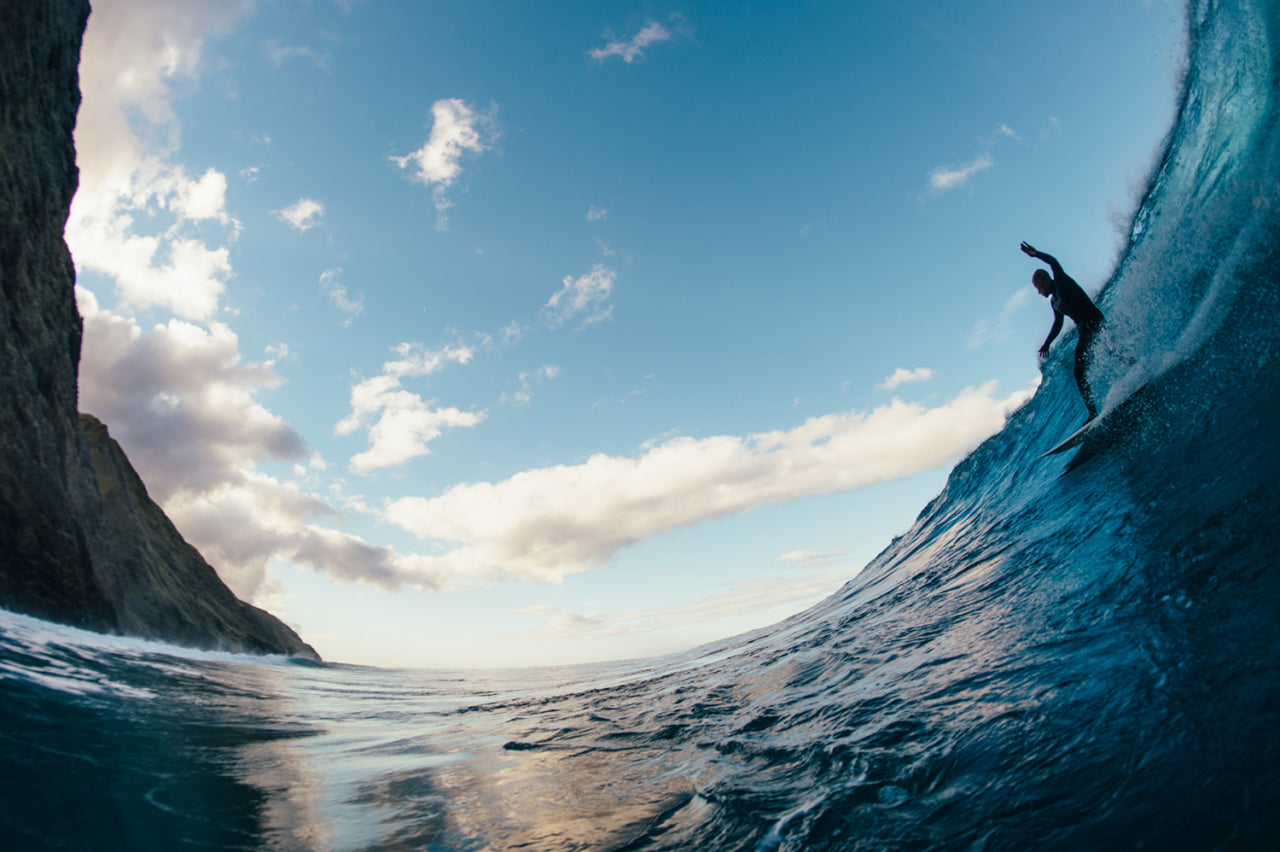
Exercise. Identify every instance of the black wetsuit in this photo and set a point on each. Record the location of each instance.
(1069, 299)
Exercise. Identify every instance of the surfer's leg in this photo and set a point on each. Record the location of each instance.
(1083, 346)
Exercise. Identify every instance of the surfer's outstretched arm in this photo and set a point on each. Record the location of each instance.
(1047, 258)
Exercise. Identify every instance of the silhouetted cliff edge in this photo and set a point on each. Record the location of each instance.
(80, 540)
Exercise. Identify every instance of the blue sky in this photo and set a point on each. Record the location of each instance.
(506, 334)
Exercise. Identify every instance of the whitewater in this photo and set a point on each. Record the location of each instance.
(1077, 652)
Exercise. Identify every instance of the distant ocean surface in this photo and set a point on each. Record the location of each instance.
(1080, 652)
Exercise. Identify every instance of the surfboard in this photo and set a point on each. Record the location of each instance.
(1073, 439)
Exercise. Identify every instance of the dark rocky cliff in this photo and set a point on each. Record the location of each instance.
(159, 586)
(80, 541)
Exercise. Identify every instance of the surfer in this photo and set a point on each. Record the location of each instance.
(1067, 298)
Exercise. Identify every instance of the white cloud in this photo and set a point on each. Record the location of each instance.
(201, 199)
(239, 526)
(597, 214)
(632, 49)
(524, 395)
(1005, 130)
(417, 360)
(184, 275)
(400, 423)
(457, 129)
(134, 215)
(547, 523)
(184, 406)
(331, 283)
(181, 398)
(903, 376)
(585, 294)
(302, 215)
(946, 178)
(350, 558)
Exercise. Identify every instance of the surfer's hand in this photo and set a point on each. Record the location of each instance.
(1044, 351)
(1027, 249)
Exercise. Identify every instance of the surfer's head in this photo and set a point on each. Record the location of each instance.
(1042, 282)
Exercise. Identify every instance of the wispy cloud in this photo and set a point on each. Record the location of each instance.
(511, 333)
(738, 599)
(457, 129)
(547, 523)
(632, 49)
(946, 178)
(279, 54)
(903, 376)
(998, 329)
(561, 623)
(807, 560)
(584, 296)
(527, 380)
(331, 284)
(303, 215)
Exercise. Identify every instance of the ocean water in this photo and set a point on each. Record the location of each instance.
(1079, 652)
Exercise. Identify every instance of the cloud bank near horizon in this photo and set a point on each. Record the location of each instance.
(545, 524)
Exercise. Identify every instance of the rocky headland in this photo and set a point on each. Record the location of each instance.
(80, 541)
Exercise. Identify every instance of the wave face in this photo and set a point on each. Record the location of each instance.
(1077, 652)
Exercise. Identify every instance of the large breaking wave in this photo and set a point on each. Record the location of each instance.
(1072, 652)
